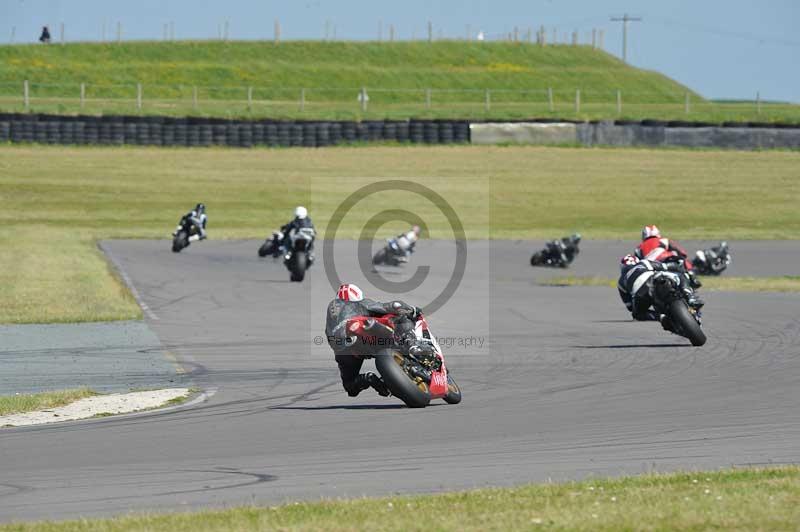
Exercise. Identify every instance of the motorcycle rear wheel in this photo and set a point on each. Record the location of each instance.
(679, 312)
(413, 392)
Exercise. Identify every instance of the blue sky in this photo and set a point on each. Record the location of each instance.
(723, 49)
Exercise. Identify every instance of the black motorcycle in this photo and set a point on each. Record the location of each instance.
(390, 254)
(271, 246)
(557, 253)
(181, 238)
(299, 243)
(712, 261)
(670, 298)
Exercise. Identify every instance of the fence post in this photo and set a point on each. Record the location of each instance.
(577, 101)
(119, 32)
(619, 102)
(430, 31)
(139, 96)
(427, 98)
(13, 33)
(550, 99)
(391, 32)
(758, 103)
(594, 38)
(278, 32)
(83, 94)
(488, 100)
(26, 94)
(194, 97)
(302, 99)
(686, 104)
(363, 99)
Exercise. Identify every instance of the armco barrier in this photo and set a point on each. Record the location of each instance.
(168, 131)
(742, 136)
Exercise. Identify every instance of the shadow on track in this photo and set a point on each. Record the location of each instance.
(341, 407)
(627, 346)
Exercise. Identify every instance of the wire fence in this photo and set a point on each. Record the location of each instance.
(95, 98)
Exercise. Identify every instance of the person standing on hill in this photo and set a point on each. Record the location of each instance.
(45, 37)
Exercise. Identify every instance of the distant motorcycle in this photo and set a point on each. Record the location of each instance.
(271, 246)
(669, 298)
(298, 250)
(558, 253)
(181, 238)
(391, 254)
(712, 261)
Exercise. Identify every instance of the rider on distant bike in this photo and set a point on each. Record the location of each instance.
(350, 351)
(405, 242)
(196, 218)
(300, 220)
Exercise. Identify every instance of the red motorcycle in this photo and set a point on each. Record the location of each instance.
(414, 380)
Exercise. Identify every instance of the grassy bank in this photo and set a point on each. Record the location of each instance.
(21, 403)
(745, 499)
(59, 200)
(321, 80)
(788, 283)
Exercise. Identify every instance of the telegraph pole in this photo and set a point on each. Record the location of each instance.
(625, 19)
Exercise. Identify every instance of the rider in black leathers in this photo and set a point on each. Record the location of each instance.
(350, 351)
(198, 219)
(300, 220)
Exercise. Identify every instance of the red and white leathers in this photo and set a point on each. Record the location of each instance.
(661, 249)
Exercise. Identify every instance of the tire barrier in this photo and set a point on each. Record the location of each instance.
(193, 131)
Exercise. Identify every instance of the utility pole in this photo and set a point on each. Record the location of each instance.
(625, 19)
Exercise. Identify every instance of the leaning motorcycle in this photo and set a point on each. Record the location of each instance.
(390, 254)
(181, 239)
(414, 380)
(670, 298)
(712, 261)
(298, 249)
(271, 246)
(556, 254)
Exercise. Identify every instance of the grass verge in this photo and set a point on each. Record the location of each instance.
(788, 283)
(58, 201)
(738, 499)
(19, 404)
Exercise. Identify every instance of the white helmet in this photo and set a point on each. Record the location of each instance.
(349, 292)
(650, 231)
(300, 212)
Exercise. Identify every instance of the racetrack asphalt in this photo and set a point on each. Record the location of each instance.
(565, 386)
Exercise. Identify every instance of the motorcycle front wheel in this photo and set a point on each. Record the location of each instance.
(380, 257)
(414, 392)
(453, 396)
(180, 241)
(299, 265)
(537, 259)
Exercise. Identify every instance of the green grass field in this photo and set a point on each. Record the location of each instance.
(59, 201)
(396, 76)
(20, 403)
(738, 499)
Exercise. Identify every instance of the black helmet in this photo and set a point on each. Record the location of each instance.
(200, 208)
(576, 237)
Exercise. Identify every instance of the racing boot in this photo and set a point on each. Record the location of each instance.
(376, 383)
(666, 323)
(694, 281)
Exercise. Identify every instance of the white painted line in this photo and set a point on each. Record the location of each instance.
(125, 277)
